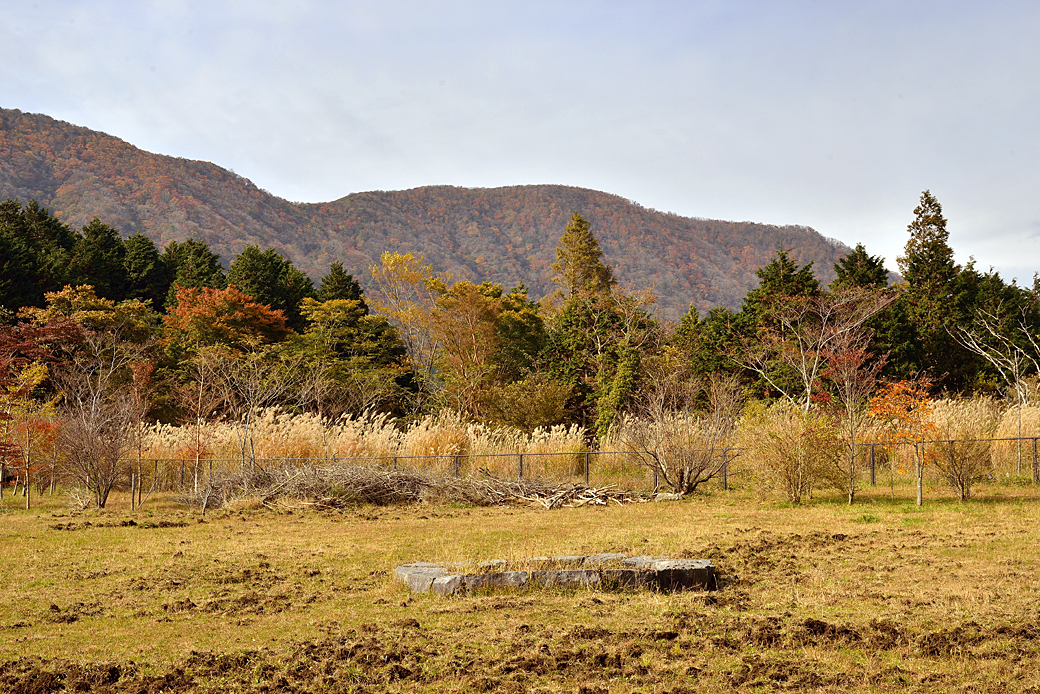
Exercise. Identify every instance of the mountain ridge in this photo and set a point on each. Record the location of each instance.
(505, 234)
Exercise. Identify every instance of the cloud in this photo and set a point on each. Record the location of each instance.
(835, 116)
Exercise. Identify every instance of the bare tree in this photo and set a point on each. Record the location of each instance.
(250, 381)
(98, 417)
(1012, 350)
(789, 352)
(681, 428)
(853, 377)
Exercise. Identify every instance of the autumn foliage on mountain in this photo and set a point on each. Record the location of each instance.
(506, 235)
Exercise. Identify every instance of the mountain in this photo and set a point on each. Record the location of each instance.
(505, 235)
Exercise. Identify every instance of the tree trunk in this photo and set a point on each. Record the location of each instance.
(920, 475)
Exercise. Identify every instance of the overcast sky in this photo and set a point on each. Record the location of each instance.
(835, 115)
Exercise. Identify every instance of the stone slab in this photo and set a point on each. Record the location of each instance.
(608, 570)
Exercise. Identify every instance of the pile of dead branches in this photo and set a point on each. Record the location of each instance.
(338, 486)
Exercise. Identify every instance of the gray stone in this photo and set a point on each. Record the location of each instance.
(495, 581)
(625, 578)
(644, 563)
(609, 569)
(447, 585)
(665, 496)
(595, 561)
(683, 574)
(418, 577)
(566, 577)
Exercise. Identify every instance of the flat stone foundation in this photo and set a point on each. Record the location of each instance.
(596, 570)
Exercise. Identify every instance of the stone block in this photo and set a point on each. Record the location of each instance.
(566, 577)
(496, 581)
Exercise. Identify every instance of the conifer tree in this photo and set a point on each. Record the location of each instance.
(97, 260)
(270, 278)
(579, 260)
(860, 269)
(192, 265)
(339, 285)
(146, 275)
(931, 277)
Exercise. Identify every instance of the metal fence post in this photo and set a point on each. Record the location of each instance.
(873, 475)
(395, 463)
(456, 466)
(587, 463)
(725, 470)
(520, 474)
(1036, 470)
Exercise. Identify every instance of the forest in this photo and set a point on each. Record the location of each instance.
(108, 344)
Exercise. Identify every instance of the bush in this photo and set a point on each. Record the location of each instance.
(788, 450)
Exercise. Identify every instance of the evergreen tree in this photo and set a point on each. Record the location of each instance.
(927, 263)
(97, 260)
(146, 274)
(192, 265)
(35, 250)
(579, 261)
(337, 284)
(859, 269)
(271, 279)
(931, 287)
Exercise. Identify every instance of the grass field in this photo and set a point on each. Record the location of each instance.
(880, 596)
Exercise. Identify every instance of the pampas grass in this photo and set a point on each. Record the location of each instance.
(1006, 453)
(441, 444)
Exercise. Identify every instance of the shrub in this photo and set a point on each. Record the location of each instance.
(787, 449)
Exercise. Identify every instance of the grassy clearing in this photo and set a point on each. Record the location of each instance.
(881, 596)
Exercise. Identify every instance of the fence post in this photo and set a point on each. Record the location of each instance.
(1036, 470)
(655, 479)
(456, 466)
(873, 475)
(725, 470)
(395, 463)
(520, 475)
(587, 463)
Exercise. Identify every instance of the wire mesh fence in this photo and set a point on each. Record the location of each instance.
(958, 461)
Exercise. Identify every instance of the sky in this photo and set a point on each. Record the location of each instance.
(834, 115)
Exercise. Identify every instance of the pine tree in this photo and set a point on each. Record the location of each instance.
(928, 263)
(192, 265)
(931, 277)
(271, 279)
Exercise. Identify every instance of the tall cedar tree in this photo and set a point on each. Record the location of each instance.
(35, 250)
(936, 294)
(579, 260)
(860, 269)
(147, 277)
(595, 342)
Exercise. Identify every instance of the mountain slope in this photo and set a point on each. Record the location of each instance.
(506, 235)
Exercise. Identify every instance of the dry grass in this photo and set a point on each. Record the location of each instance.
(877, 597)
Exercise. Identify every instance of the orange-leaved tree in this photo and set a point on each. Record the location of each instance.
(228, 317)
(905, 407)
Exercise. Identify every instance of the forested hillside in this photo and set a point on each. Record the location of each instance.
(507, 235)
